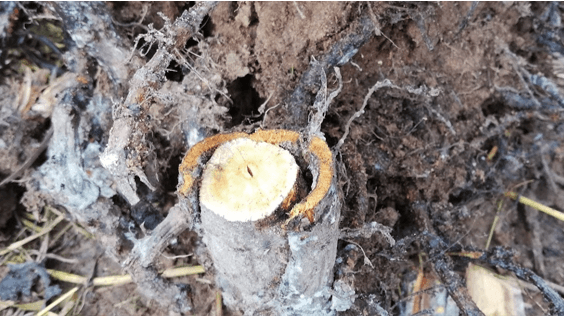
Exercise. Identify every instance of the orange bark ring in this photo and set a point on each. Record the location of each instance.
(317, 147)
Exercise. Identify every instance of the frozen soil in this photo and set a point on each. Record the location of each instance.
(465, 78)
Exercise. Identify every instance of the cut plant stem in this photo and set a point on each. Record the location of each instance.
(247, 186)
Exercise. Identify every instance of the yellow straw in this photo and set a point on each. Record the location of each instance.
(57, 301)
(536, 205)
(121, 279)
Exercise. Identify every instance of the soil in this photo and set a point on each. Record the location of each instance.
(475, 110)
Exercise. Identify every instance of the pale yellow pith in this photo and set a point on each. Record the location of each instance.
(247, 180)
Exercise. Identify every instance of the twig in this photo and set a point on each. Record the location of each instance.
(557, 287)
(182, 271)
(59, 234)
(452, 281)
(501, 258)
(129, 300)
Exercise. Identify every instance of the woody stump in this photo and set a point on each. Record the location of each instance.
(269, 215)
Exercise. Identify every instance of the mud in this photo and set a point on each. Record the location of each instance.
(464, 78)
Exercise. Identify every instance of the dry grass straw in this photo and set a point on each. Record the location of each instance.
(58, 301)
(494, 224)
(99, 281)
(536, 205)
(218, 304)
(50, 223)
(34, 306)
(526, 201)
(44, 230)
(106, 281)
(121, 279)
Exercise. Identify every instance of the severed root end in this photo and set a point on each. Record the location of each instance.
(317, 147)
(247, 180)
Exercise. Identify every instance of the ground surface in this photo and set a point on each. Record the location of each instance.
(467, 78)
